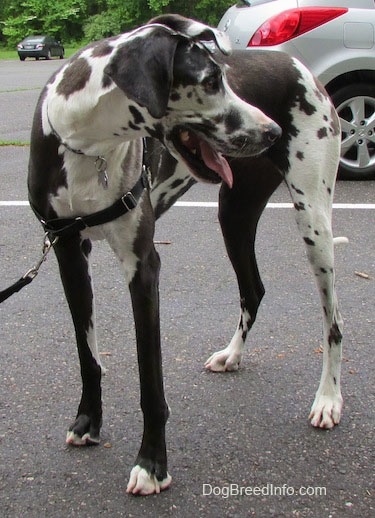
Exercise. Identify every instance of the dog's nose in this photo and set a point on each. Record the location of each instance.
(273, 132)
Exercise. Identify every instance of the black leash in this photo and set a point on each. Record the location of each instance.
(65, 227)
(30, 274)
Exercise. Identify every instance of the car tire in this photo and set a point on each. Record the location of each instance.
(355, 105)
(22, 58)
(62, 55)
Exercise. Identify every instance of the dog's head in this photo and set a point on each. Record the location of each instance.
(168, 68)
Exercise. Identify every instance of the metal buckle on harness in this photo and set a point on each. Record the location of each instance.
(129, 201)
(81, 222)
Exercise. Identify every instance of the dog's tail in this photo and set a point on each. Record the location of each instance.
(340, 240)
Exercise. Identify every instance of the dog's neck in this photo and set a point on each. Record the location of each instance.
(81, 120)
(83, 135)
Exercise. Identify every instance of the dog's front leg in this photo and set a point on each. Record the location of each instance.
(149, 474)
(73, 257)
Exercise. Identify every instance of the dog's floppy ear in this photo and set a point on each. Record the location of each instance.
(195, 31)
(143, 69)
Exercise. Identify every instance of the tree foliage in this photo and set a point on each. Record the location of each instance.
(87, 20)
(63, 19)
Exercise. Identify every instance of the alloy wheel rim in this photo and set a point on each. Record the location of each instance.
(357, 119)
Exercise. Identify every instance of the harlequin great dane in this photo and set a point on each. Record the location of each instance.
(306, 159)
(86, 182)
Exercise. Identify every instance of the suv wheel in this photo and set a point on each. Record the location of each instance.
(355, 105)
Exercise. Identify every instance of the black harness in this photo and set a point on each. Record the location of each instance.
(66, 227)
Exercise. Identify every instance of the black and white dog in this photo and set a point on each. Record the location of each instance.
(86, 182)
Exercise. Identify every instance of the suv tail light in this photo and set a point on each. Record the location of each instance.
(292, 23)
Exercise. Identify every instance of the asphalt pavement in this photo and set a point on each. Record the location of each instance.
(239, 444)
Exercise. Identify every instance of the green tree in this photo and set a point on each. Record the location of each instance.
(4, 7)
(109, 17)
(63, 19)
(203, 10)
(113, 17)
(77, 20)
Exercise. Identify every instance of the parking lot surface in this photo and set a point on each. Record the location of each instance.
(239, 444)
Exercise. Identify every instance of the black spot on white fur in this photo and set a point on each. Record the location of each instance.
(75, 78)
(335, 335)
(298, 191)
(101, 50)
(322, 133)
(300, 155)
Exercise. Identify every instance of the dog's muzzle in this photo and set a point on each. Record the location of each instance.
(207, 163)
(273, 133)
(244, 145)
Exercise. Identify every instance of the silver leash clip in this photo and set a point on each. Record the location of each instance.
(47, 245)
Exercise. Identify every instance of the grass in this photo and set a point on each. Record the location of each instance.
(11, 54)
(19, 143)
(8, 54)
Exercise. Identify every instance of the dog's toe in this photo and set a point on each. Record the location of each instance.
(223, 361)
(83, 432)
(86, 440)
(143, 483)
(326, 412)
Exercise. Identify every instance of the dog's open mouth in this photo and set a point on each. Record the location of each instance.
(204, 161)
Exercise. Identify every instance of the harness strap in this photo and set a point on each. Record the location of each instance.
(64, 227)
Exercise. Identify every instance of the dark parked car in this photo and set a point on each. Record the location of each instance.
(40, 47)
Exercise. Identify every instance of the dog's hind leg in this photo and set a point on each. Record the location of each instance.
(311, 184)
(239, 211)
(73, 258)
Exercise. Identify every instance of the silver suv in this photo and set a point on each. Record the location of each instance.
(335, 39)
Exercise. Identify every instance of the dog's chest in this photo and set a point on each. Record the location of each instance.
(93, 183)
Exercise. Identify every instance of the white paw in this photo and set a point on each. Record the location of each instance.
(223, 361)
(142, 483)
(326, 411)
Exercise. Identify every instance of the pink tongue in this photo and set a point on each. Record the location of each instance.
(216, 162)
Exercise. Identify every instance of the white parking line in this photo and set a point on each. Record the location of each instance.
(14, 203)
(214, 204)
(276, 205)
